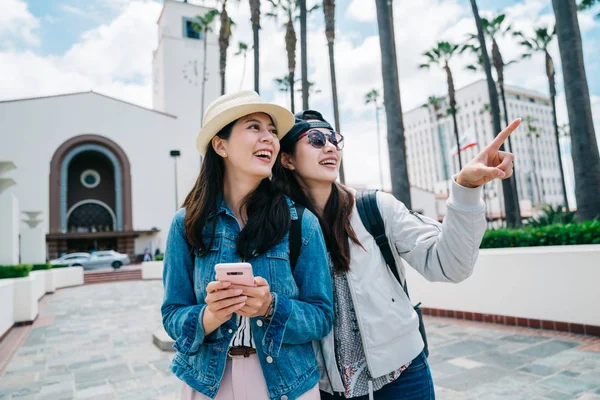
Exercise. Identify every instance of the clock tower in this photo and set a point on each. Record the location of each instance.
(178, 65)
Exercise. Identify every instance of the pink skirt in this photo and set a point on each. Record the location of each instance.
(243, 380)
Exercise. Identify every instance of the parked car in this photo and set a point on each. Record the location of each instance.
(98, 259)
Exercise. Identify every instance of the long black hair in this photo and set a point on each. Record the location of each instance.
(268, 214)
(335, 219)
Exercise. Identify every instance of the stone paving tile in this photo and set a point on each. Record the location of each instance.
(98, 346)
(548, 349)
(568, 385)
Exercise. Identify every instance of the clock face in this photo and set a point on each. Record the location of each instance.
(191, 72)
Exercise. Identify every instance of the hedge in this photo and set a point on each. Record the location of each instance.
(15, 271)
(159, 257)
(41, 267)
(60, 265)
(587, 232)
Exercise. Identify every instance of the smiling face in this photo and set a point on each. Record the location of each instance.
(314, 165)
(251, 148)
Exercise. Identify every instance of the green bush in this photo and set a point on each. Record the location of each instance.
(587, 232)
(14, 271)
(41, 267)
(60, 265)
(159, 257)
(552, 216)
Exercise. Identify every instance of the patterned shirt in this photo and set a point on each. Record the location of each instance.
(243, 335)
(349, 351)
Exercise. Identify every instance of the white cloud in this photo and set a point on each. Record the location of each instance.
(115, 59)
(105, 59)
(72, 10)
(17, 24)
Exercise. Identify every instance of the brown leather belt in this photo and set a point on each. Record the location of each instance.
(240, 351)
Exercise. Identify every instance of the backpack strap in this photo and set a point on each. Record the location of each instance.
(295, 239)
(366, 203)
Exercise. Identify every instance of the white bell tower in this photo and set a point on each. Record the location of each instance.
(178, 62)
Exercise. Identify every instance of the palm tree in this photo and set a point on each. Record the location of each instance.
(373, 97)
(441, 56)
(329, 13)
(255, 19)
(539, 43)
(509, 186)
(434, 105)
(587, 4)
(303, 54)
(224, 35)
(393, 108)
(583, 137)
(289, 8)
(283, 84)
(242, 50)
(532, 131)
(203, 24)
(492, 28)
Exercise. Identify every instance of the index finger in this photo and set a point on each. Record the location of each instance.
(217, 285)
(502, 136)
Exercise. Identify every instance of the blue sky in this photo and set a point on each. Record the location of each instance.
(50, 47)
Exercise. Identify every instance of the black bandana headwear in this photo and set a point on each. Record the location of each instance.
(301, 125)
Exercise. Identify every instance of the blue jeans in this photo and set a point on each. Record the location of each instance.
(415, 383)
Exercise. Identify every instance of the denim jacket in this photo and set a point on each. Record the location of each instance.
(303, 307)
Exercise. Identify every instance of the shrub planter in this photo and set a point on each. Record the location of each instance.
(65, 277)
(25, 299)
(152, 270)
(39, 283)
(7, 311)
(553, 286)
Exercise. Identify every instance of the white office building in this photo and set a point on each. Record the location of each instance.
(431, 145)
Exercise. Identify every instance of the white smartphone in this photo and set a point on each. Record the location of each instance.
(236, 273)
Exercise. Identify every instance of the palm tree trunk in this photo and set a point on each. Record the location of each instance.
(243, 71)
(452, 98)
(391, 95)
(511, 201)
(255, 17)
(586, 158)
(291, 77)
(552, 87)
(499, 65)
(203, 76)
(303, 54)
(223, 44)
(443, 152)
(379, 144)
(336, 110)
(534, 169)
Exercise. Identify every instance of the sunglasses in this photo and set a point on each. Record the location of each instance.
(318, 139)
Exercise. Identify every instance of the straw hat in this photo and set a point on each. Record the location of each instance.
(230, 107)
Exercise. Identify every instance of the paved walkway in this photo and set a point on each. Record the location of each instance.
(95, 342)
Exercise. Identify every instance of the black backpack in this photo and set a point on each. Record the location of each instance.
(366, 203)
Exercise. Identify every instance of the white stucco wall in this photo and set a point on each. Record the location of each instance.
(145, 136)
(7, 312)
(556, 283)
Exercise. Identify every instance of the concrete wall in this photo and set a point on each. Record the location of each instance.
(7, 312)
(556, 283)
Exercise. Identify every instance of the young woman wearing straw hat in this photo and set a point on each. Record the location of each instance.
(244, 342)
(376, 349)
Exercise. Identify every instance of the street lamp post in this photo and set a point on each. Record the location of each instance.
(175, 154)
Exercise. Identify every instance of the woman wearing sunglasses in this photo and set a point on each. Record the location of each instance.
(375, 350)
(244, 342)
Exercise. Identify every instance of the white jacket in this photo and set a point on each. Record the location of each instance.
(388, 324)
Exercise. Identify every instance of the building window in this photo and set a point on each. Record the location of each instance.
(188, 29)
(90, 178)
